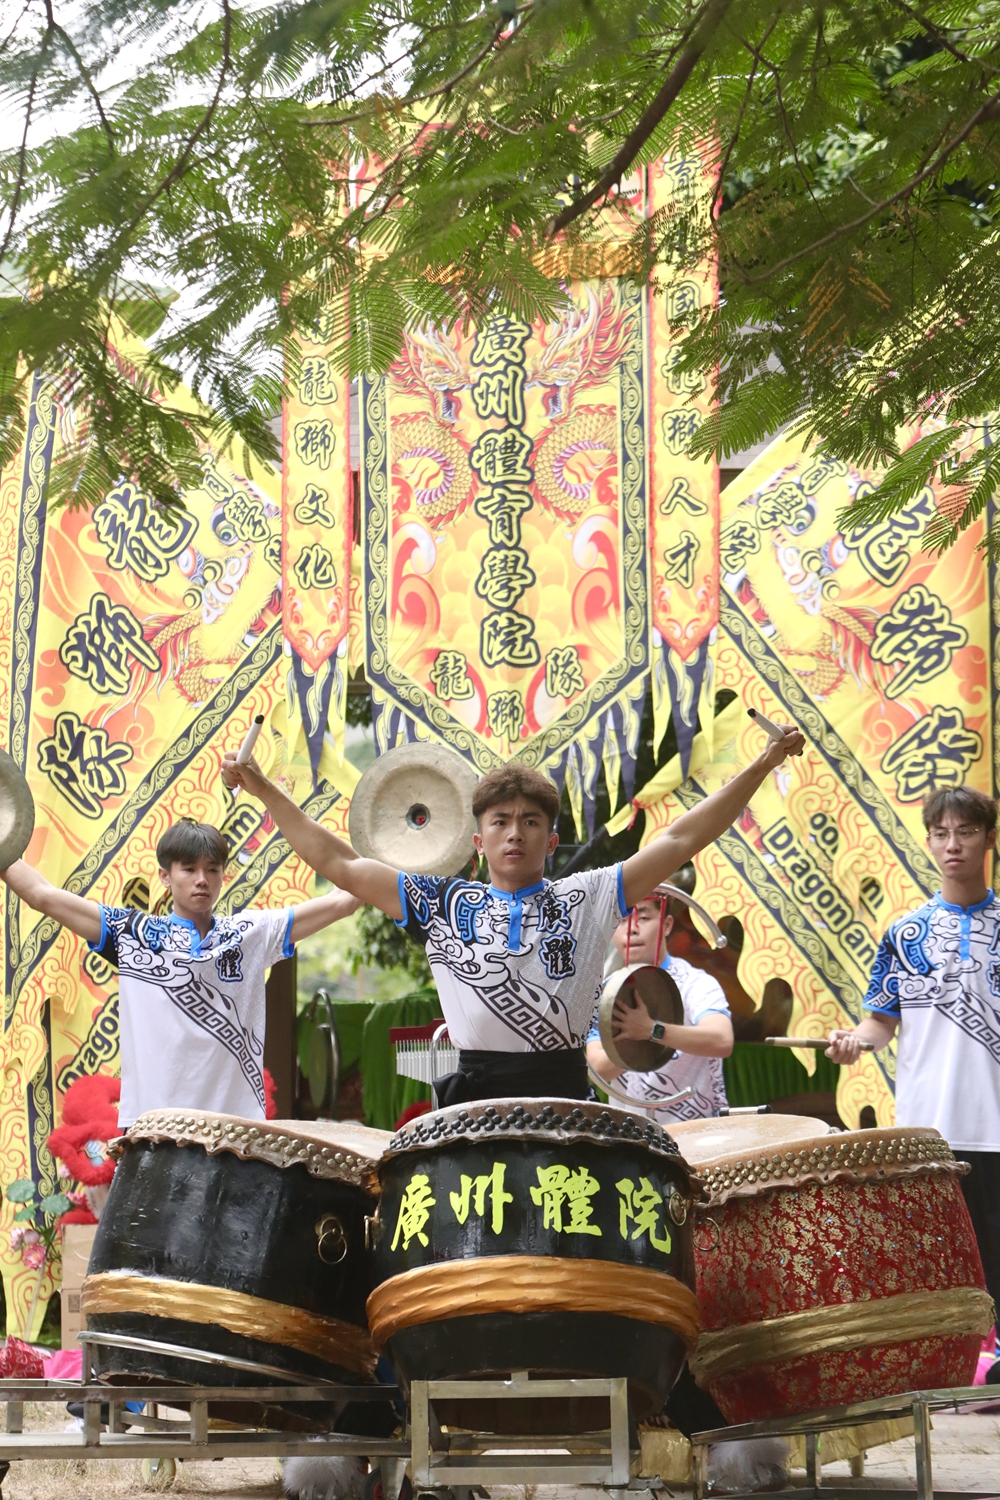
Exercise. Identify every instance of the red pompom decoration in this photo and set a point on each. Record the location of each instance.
(90, 1113)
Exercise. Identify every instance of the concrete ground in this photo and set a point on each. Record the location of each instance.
(966, 1457)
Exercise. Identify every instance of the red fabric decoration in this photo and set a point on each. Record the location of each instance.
(817, 1245)
(90, 1113)
(270, 1097)
(411, 1112)
(20, 1362)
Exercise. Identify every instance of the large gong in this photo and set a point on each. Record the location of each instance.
(413, 809)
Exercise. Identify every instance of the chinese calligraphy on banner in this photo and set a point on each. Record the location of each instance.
(881, 654)
(684, 495)
(135, 649)
(505, 538)
(317, 539)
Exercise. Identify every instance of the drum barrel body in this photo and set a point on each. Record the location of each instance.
(858, 1280)
(503, 1248)
(234, 1256)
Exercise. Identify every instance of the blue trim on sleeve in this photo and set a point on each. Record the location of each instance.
(288, 947)
(623, 910)
(96, 947)
(890, 1009)
(404, 919)
(593, 1035)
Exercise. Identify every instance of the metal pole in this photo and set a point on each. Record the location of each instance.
(420, 1442)
(619, 1431)
(922, 1447)
(699, 1455)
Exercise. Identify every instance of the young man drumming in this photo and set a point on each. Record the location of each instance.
(700, 1044)
(191, 985)
(937, 979)
(518, 963)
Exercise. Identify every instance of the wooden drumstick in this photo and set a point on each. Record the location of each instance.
(818, 1043)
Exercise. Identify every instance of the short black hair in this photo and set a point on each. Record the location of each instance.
(187, 841)
(516, 780)
(966, 803)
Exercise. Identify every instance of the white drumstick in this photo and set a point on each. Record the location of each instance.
(766, 725)
(246, 749)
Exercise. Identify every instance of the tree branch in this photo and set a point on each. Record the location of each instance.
(941, 39)
(22, 155)
(724, 160)
(701, 34)
(986, 111)
(84, 74)
(177, 170)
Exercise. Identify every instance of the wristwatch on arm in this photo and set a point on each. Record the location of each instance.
(658, 1031)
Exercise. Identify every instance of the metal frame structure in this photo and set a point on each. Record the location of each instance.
(467, 1459)
(138, 1435)
(456, 1461)
(812, 1425)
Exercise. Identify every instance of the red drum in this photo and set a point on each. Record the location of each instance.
(831, 1268)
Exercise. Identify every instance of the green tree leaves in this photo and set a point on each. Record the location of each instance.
(386, 164)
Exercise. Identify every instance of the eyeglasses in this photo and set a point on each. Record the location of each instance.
(965, 835)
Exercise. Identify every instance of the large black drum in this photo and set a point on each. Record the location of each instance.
(240, 1239)
(545, 1236)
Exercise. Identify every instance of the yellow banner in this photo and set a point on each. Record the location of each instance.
(505, 531)
(879, 652)
(135, 648)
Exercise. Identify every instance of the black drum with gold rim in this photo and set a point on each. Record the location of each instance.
(543, 1236)
(240, 1239)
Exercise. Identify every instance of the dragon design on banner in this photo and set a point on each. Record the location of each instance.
(505, 529)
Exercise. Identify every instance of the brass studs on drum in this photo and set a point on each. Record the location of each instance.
(331, 1241)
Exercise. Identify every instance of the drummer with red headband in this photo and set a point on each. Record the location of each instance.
(700, 1044)
(518, 963)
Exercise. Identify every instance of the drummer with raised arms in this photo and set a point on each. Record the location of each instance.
(191, 1001)
(518, 963)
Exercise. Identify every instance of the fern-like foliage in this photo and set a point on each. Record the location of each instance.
(381, 164)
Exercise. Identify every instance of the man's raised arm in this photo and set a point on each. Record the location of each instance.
(368, 879)
(704, 823)
(75, 912)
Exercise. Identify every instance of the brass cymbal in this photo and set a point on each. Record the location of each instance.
(17, 812)
(413, 809)
(661, 997)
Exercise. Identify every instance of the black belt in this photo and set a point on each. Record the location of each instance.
(515, 1075)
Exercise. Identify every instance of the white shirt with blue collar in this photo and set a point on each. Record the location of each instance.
(191, 1008)
(515, 971)
(938, 971)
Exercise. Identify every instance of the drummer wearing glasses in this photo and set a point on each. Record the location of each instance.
(518, 963)
(937, 981)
